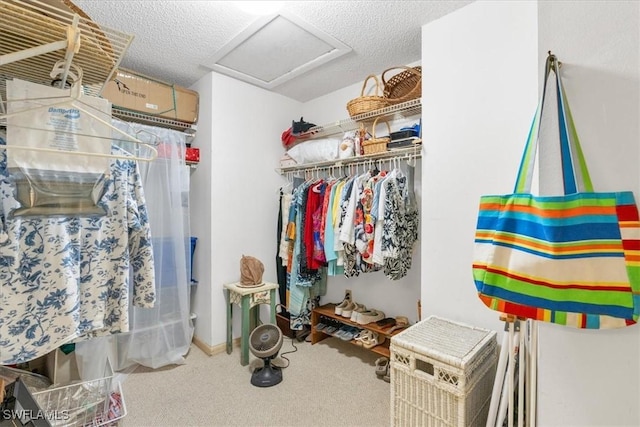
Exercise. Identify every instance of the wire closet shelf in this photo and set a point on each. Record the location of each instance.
(405, 109)
(36, 35)
(410, 154)
(128, 115)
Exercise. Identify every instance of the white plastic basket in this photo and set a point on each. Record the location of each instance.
(93, 403)
(442, 374)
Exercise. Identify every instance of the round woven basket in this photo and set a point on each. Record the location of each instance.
(404, 86)
(365, 104)
(376, 145)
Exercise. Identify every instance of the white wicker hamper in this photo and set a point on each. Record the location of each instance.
(442, 374)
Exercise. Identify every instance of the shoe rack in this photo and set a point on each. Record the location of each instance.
(329, 311)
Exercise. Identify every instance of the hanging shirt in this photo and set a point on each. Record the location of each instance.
(345, 196)
(283, 248)
(352, 229)
(378, 213)
(315, 200)
(365, 238)
(303, 287)
(68, 278)
(401, 223)
(333, 269)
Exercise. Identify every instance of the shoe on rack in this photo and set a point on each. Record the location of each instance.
(400, 323)
(369, 316)
(356, 311)
(338, 333)
(341, 306)
(320, 326)
(386, 322)
(348, 310)
(370, 339)
(365, 335)
(330, 330)
(350, 333)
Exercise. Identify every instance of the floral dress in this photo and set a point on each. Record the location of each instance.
(68, 278)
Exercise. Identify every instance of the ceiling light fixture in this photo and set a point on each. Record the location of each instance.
(259, 7)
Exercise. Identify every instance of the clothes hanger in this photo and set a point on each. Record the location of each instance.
(375, 170)
(332, 174)
(73, 98)
(411, 170)
(317, 183)
(288, 185)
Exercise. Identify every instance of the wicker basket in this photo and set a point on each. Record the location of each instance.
(376, 145)
(365, 104)
(442, 374)
(404, 86)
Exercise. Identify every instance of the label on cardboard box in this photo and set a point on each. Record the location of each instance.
(141, 94)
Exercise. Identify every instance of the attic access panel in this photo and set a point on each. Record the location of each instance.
(275, 49)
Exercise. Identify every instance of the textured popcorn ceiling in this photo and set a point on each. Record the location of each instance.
(173, 38)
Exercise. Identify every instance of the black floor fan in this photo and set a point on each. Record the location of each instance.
(265, 342)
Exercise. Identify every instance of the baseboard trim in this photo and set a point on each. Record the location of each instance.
(216, 349)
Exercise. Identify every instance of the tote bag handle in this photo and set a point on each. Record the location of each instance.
(574, 179)
(572, 154)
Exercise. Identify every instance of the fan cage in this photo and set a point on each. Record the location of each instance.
(265, 340)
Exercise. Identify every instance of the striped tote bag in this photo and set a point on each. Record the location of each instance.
(571, 259)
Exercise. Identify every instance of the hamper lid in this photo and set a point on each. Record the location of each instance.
(444, 339)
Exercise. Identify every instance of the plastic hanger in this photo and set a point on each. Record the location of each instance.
(287, 187)
(74, 99)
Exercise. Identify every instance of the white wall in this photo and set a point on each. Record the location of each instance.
(200, 205)
(592, 378)
(479, 96)
(235, 191)
(484, 64)
(481, 67)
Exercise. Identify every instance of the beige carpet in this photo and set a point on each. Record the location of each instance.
(332, 383)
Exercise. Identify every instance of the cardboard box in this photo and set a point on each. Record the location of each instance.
(142, 94)
(61, 368)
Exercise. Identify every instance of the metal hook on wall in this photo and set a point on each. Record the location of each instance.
(553, 61)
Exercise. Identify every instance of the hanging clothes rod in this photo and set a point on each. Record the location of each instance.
(409, 154)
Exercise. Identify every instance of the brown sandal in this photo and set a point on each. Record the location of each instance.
(401, 323)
